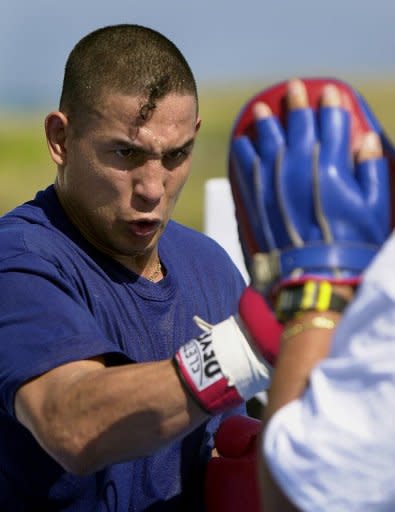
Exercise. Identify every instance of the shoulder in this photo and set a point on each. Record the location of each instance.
(175, 231)
(17, 235)
(200, 253)
(29, 230)
(200, 263)
(195, 244)
(29, 250)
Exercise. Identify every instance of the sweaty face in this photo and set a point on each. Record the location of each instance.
(121, 177)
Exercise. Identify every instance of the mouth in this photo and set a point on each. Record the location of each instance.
(144, 228)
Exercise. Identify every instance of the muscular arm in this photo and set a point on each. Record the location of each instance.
(87, 415)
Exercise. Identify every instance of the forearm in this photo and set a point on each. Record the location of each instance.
(299, 354)
(109, 415)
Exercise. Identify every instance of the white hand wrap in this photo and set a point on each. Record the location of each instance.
(220, 368)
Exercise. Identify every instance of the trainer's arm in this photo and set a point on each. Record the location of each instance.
(87, 415)
(298, 356)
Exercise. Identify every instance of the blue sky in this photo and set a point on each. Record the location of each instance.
(226, 42)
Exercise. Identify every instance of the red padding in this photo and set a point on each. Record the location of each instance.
(231, 483)
(261, 323)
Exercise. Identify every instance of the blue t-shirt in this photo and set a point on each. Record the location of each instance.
(61, 300)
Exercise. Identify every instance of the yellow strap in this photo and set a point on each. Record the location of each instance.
(309, 295)
(324, 296)
(316, 295)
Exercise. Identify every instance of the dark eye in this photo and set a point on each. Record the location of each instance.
(179, 154)
(126, 152)
(173, 159)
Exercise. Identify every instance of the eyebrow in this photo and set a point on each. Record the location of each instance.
(142, 150)
(186, 144)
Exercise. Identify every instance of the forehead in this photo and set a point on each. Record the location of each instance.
(171, 116)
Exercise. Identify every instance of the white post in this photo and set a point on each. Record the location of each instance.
(220, 221)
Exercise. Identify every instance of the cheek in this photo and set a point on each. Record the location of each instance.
(98, 185)
(85, 169)
(111, 190)
(177, 181)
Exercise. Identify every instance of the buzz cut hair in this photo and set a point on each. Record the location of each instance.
(127, 59)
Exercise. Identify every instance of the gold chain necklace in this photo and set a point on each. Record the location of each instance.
(156, 272)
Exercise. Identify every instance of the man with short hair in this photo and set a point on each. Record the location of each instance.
(105, 403)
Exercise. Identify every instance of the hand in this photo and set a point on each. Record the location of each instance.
(313, 209)
(232, 361)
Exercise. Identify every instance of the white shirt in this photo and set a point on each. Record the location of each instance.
(333, 449)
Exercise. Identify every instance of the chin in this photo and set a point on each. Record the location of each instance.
(140, 249)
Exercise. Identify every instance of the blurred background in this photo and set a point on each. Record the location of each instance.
(234, 48)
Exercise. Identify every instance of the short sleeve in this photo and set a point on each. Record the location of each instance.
(44, 323)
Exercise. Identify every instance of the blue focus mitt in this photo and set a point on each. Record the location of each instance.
(305, 209)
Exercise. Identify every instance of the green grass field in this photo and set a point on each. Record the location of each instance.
(25, 165)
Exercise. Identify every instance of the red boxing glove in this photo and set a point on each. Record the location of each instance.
(232, 361)
(261, 323)
(231, 479)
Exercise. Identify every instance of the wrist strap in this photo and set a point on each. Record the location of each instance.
(220, 368)
(310, 296)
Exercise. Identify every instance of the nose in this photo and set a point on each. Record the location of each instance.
(149, 182)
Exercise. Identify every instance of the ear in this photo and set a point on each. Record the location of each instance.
(56, 124)
(198, 124)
